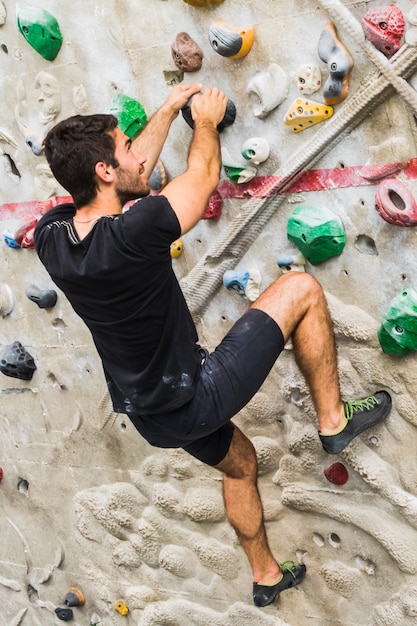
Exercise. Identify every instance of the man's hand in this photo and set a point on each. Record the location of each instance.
(179, 95)
(209, 106)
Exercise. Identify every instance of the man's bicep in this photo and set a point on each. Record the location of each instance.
(188, 195)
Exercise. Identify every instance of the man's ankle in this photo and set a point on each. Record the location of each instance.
(268, 577)
(334, 423)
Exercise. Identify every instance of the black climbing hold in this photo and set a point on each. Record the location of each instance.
(44, 298)
(228, 119)
(64, 614)
(16, 362)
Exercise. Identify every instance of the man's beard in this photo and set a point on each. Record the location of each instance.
(130, 186)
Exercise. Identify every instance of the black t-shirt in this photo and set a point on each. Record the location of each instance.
(119, 280)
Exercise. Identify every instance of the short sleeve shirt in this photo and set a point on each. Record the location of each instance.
(119, 279)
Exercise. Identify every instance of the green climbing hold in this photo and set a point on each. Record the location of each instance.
(398, 331)
(40, 29)
(130, 115)
(317, 232)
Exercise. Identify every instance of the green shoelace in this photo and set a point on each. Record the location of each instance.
(354, 406)
(288, 566)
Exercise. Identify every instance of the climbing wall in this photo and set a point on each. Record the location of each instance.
(96, 525)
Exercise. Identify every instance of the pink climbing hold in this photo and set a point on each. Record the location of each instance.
(395, 203)
(336, 474)
(384, 27)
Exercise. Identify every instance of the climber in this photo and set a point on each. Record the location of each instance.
(115, 268)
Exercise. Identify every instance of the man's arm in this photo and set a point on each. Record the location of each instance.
(189, 193)
(151, 140)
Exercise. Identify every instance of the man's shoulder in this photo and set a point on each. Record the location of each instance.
(57, 215)
(155, 209)
(60, 212)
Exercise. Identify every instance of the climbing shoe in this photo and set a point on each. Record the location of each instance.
(360, 415)
(292, 575)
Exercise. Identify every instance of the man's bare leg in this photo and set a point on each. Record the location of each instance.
(298, 305)
(244, 508)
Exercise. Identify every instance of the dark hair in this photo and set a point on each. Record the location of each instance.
(74, 146)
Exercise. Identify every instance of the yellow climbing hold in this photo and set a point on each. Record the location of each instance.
(305, 113)
(121, 608)
(176, 248)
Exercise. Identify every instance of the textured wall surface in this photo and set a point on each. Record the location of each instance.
(85, 502)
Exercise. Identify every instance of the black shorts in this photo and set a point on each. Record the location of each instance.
(229, 377)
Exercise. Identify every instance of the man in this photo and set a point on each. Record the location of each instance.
(115, 268)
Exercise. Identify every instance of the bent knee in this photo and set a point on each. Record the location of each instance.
(240, 462)
(299, 280)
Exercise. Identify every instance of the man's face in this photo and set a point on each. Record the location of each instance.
(130, 184)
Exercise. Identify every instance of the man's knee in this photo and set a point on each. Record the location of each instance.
(240, 461)
(300, 282)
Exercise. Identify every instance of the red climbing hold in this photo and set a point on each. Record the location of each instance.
(1, 474)
(337, 474)
(213, 209)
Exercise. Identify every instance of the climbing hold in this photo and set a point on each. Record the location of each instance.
(44, 298)
(40, 29)
(236, 172)
(305, 113)
(395, 203)
(268, 89)
(186, 53)
(291, 261)
(24, 233)
(16, 362)
(398, 331)
(95, 620)
(49, 97)
(317, 232)
(131, 116)
(228, 119)
(213, 209)
(336, 474)
(307, 78)
(1, 474)
(229, 40)
(158, 179)
(384, 27)
(245, 282)
(9, 239)
(202, 3)
(255, 150)
(74, 597)
(6, 300)
(64, 614)
(339, 64)
(121, 608)
(176, 248)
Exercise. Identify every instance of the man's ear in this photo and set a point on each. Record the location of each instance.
(104, 172)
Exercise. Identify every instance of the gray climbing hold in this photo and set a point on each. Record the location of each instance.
(44, 298)
(6, 300)
(64, 614)
(16, 362)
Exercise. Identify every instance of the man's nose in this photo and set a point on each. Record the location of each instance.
(140, 157)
